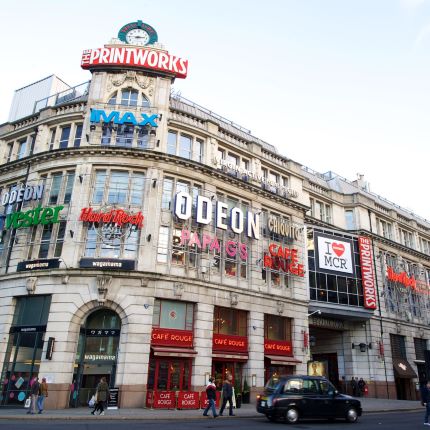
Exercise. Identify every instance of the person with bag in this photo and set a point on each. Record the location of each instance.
(102, 396)
(34, 393)
(43, 394)
(227, 396)
(211, 396)
(361, 386)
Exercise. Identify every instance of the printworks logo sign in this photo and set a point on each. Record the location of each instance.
(334, 254)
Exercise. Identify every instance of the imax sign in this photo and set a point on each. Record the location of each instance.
(116, 117)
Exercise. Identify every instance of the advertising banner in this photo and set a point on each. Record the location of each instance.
(164, 400)
(367, 273)
(188, 400)
(334, 255)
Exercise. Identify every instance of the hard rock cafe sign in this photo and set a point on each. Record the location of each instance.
(112, 222)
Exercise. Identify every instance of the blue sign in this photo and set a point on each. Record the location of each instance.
(116, 117)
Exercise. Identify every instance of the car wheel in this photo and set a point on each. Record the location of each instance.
(271, 418)
(292, 416)
(351, 415)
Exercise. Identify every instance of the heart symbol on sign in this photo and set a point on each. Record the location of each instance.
(338, 248)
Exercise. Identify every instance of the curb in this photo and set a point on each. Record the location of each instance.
(156, 418)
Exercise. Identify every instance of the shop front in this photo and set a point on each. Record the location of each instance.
(171, 358)
(24, 348)
(96, 355)
(229, 345)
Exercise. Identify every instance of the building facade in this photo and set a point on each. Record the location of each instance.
(149, 240)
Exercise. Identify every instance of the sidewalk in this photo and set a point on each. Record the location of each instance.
(248, 411)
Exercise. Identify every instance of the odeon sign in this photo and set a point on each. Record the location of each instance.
(238, 222)
(118, 118)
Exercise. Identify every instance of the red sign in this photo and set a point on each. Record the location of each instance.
(114, 216)
(402, 278)
(164, 400)
(141, 58)
(278, 347)
(367, 276)
(204, 399)
(171, 337)
(224, 342)
(188, 400)
(283, 259)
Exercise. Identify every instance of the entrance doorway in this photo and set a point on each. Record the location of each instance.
(275, 370)
(331, 367)
(221, 369)
(96, 355)
(169, 374)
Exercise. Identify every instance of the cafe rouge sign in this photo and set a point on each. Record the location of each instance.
(228, 343)
(278, 347)
(170, 337)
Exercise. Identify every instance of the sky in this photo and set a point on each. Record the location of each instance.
(336, 85)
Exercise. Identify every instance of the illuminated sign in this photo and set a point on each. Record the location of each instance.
(116, 117)
(171, 337)
(283, 259)
(112, 216)
(136, 58)
(334, 254)
(23, 194)
(224, 342)
(368, 280)
(259, 177)
(206, 242)
(278, 347)
(401, 278)
(32, 217)
(284, 228)
(236, 220)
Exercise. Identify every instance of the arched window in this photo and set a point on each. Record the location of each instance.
(129, 97)
(103, 319)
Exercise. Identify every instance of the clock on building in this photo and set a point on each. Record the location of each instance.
(138, 33)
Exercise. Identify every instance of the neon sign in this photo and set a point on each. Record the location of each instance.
(116, 117)
(33, 217)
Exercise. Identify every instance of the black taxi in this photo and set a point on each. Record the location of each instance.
(293, 397)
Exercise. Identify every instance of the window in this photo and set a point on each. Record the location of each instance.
(398, 346)
(118, 187)
(320, 210)
(173, 314)
(61, 187)
(385, 229)
(420, 348)
(406, 238)
(22, 148)
(124, 136)
(64, 138)
(349, 220)
(424, 246)
(129, 97)
(277, 328)
(184, 146)
(230, 321)
(9, 152)
(52, 138)
(78, 136)
(171, 186)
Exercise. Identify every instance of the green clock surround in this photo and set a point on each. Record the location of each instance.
(138, 33)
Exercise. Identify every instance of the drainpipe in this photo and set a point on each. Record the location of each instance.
(379, 303)
(19, 205)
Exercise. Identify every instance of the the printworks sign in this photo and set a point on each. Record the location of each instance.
(367, 275)
(334, 254)
(123, 118)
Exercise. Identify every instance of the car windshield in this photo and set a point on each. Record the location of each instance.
(272, 383)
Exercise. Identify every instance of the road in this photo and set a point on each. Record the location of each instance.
(370, 421)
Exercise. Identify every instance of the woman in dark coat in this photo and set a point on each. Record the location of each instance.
(102, 396)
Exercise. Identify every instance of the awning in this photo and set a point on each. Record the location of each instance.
(231, 356)
(403, 369)
(282, 359)
(166, 351)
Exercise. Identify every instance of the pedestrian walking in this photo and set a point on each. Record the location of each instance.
(227, 396)
(361, 386)
(354, 386)
(102, 396)
(425, 401)
(34, 393)
(211, 396)
(43, 394)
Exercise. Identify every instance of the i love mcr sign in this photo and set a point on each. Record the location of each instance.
(334, 254)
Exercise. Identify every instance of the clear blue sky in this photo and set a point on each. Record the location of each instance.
(341, 85)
